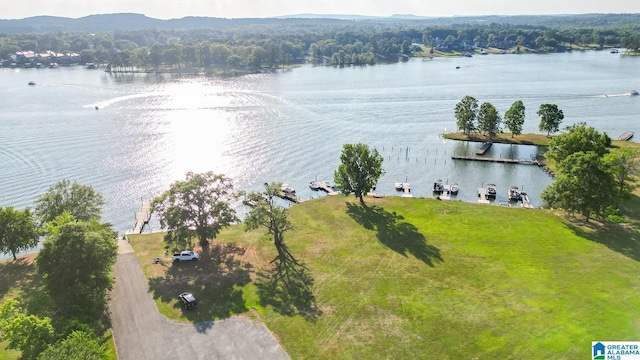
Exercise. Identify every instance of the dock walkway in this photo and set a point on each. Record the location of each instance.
(626, 136)
(498, 160)
(483, 198)
(325, 187)
(142, 217)
(290, 197)
(525, 201)
(485, 146)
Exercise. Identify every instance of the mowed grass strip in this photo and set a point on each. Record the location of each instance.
(421, 278)
(505, 138)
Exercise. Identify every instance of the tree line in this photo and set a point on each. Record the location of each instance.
(269, 46)
(485, 118)
(68, 317)
(592, 178)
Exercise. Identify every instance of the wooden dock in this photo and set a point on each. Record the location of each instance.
(525, 201)
(498, 160)
(142, 218)
(289, 196)
(483, 198)
(322, 185)
(485, 146)
(406, 190)
(626, 136)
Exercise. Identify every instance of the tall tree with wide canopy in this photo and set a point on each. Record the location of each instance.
(359, 171)
(550, 118)
(18, 231)
(290, 284)
(579, 137)
(199, 206)
(27, 333)
(488, 119)
(75, 263)
(583, 185)
(466, 112)
(81, 201)
(514, 118)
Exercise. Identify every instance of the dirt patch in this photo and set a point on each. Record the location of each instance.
(222, 263)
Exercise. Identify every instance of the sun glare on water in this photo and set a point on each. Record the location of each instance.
(196, 124)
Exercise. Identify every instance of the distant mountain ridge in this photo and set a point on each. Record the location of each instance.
(133, 21)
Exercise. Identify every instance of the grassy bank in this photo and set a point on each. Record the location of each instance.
(403, 278)
(504, 138)
(522, 139)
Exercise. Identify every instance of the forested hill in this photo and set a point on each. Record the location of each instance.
(133, 22)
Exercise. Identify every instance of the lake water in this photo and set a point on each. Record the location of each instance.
(290, 126)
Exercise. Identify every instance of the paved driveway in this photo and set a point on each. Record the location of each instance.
(142, 333)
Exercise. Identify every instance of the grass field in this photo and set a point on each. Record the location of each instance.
(421, 278)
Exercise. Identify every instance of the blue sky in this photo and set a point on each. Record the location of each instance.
(167, 9)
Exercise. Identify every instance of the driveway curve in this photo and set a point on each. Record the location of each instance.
(142, 333)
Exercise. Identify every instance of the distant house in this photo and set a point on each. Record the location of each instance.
(47, 57)
(25, 57)
(69, 58)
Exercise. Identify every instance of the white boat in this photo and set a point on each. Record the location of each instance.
(287, 190)
(492, 190)
(438, 186)
(399, 186)
(634, 93)
(514, 193)
(454, 189)
(313, 185)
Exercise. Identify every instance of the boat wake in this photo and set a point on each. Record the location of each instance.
(610, 95)
(103, 104)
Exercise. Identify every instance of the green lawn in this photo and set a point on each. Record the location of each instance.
(421, 278)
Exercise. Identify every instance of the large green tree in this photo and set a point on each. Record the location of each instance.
(582, 185)
(199, 206)
(18, 231)
(466, 112)
(579, 137)
(550, 118)
(266, 213)
(75, 263)
(622, 163)
(79, 345)
(514, 118)
(81, 201)
(290, 285)
(488, 119)
(359, 171)
(27, 333)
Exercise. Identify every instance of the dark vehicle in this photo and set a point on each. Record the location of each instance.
(188, 300)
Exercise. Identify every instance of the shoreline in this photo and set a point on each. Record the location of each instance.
(522, 139)
(502, 138)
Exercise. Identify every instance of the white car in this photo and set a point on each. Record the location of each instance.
(186, 256)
